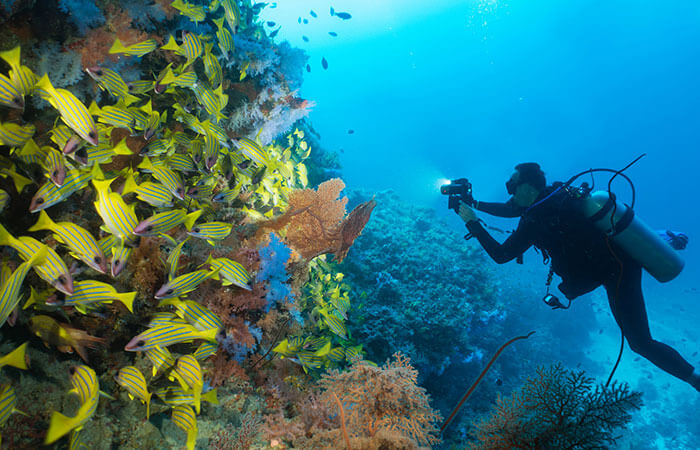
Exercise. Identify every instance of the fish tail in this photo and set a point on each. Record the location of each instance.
(80, 340)
(148, 405)
(219, 22)
(171, 45)
(117, 47)
(128, 300)
(130, 184)
(332, 11)
(6, 238)
(16, 358)
(191, 218)
(210, 396)
(12, 57)
(43, 223)
(59, 427)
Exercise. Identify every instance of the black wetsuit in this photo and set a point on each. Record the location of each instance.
(585, 259)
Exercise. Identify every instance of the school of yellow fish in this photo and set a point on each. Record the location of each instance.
(180, 178)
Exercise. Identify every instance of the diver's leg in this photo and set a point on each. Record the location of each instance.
(627, 304)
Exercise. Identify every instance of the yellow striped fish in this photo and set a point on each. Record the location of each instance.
(184, 80)
(213, 100)
(205, 350)
(180, 162)
(87, 292)
(211, 151)
(169, 178)
(22, 77)
(183, 284)
(160, 357)
(173, 258)
(49, 194)
(224, 39)
(189, 374)
(231, 272)
(232, 14)
(112, 82)
(212, 68)
(139, 87)
(73, 112)
(16, 358)
(14, 135)
(165, 221)
(76, 441)
(120, 256)
(10, 93)
(138, 49)
(184, 418)
(30, 153)
(195, 13)
(175, 395)
(165, 318)
(164, 335)
(252, 150)
(4, 199)
(53, 270)
(334, 323)
(191, 47)
(85, 384)
(211, 231)
(155, 194)
(117, 116)
(81, 243)
(55, 166)
(119, 219)
(227, 195)
(199, 316)
(8, 401)
(131, 379)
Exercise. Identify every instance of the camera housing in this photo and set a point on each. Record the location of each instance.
(457, 190)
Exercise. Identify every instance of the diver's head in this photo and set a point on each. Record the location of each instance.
(526, 183)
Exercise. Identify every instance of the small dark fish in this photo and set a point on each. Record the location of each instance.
(333, 33)
(324, 63)
(600, 331)
(340, 15)
(305, 39)
(274, 5)
(351, 131)
(499, 382)
(313, 14)
(308, 68)
(299, 19)
(306, 21)
(271, 23)
(256, 8)
(695, 354)
(244, 165)
(274, 32)
(637, 358)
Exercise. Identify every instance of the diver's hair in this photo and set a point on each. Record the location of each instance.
(531, 173)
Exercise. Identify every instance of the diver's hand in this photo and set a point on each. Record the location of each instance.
(677, 240)
(466, 213)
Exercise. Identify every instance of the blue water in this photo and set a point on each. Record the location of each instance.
(449, 89)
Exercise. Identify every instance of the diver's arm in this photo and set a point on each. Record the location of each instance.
(507, 209)
(511, 248)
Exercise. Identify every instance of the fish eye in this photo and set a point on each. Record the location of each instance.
(117, 262)
(97, 259)
(91, 134)
(39, 200)
(149, 228)
(141, 343)
(61, 279)
(168, 292)
(196, 230)
(98, 72)
(54, 173)
(71, 370)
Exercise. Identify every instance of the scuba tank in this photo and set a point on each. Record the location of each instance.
(634, 236)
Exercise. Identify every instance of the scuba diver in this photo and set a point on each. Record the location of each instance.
(585, 257)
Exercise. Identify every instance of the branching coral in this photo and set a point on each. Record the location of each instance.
(558, 409)
(383, 398)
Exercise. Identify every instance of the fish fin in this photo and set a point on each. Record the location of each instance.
(130, 184)
(171, 45)
(117, 47)
(12, 57)
(16, 358)
(148, 405)
(210, 334)
(60, 426)
(219, 22)
(94, 110)
(210, 396)
(106, 395)
(127, 299)
(43, 223)
(6, 238)
(225, 282)
(169, 76)
(145, 164)
(46, 90)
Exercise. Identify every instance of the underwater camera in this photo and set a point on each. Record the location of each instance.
(458, 190)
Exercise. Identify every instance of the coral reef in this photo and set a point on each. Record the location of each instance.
(558, 409)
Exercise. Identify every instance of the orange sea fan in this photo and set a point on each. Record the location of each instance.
(315, 221)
